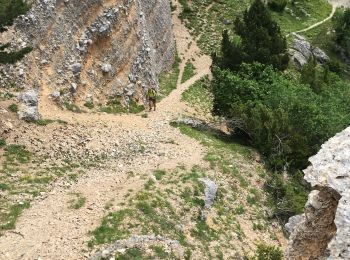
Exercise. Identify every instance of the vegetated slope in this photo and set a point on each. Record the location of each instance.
(207, 19)
(78, 169)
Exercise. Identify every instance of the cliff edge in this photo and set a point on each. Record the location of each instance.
(92, 50)
(322, 232)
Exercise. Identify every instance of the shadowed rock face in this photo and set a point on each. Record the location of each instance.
(105, 48)
(323, 230)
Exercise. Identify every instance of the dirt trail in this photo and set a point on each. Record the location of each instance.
(49, 229)
(335, 4)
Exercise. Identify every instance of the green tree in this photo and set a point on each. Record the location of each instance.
(342, 30)
(9, 10)
(262, 40)
(277, 5)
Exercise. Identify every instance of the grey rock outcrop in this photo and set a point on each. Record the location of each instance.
(301, 51)
(29, 107)
(323, 230)
(210, 192)
(140, 242)
(101, 46)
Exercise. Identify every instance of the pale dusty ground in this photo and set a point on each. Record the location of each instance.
(49, 229)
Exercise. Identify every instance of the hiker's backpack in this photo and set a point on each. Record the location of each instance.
(152, 93)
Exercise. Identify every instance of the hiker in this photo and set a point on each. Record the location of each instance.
(152, 96)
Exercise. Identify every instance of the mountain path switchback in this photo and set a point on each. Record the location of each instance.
(49, 229)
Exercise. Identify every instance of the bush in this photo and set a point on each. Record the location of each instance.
(13, 108)
(277, 5)
(342, 30)
(265, 252)
(287, 196)
(285, 120)
(2, 142)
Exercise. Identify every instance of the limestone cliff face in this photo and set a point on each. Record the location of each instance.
(323, 231)
(90, 50)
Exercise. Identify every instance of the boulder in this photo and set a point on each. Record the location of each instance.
(76, 68)
(29, 113)
(29, 108)
(29, 98)
(301, 51)
(320, 55)
(106, 68)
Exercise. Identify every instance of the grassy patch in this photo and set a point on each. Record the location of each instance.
(13, 108)
(72, 107)
(2, 142)
(207, 19)
(44, 122)
(199, 96)
(159, 174)
(168, 80)
(302, 15)
(115, 107)
(8, 218)
(189, 71)
(16, 153)
(89, 105)
(77, 202)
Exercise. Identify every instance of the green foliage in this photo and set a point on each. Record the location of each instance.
(9, 10)
(110, 229)
(13, 57)
(44, 122)
(13, 108)
(72, 107)
(315, 76)
(131, 253)
(261, 41)
(199, 96)
(277, 5)
(115, 107)
(265, 252)
(8, 218)
(159, 174)
(189, 71)
(89, 104)
(285, 120)
(2, 142)
(78, 202)
(288, 196)
(168, 80)
(17, 153)
(342, 30)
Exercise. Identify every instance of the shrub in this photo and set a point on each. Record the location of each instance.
(13, 108)
(277, 5)
(287, 196)
(285, 120)
(265, 252)
(2, 142)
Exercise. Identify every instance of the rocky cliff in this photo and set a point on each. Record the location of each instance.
(92, 50)
(322, 232)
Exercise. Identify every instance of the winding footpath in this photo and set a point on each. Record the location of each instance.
(49, 229)
(335, 4)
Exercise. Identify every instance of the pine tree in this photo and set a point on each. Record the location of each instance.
(9, 10)
(262, 40)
